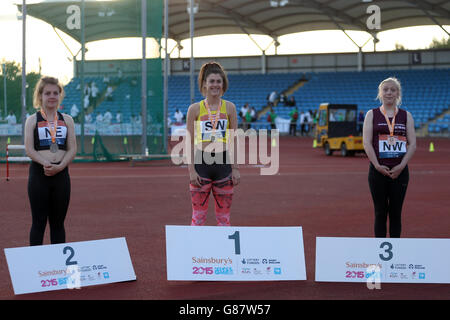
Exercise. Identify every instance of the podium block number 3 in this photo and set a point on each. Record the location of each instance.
(387, 246)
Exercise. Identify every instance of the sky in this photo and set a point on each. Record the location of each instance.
(45, 50)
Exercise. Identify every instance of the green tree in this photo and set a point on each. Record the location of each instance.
(13, 74)
(440, 44)
(399, 47)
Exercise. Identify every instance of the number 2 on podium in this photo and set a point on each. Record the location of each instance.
(237, 242)
(69, 261)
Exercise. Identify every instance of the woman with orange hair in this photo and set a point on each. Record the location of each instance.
(210, 168)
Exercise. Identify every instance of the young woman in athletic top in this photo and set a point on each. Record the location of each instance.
(211, 165)
(390, 142)
(51, 144)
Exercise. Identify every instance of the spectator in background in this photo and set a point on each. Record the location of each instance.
(99, 118)
(248, 119)
(243, 110)
(107, 117)
(136, 120)
(293, 126)
(243, 114)
(253, 114)
(109, 93)
(119, 117)
(94, 94)
(178, 117)
(291, 101)
(87, 89)
(87, 118)
(271, 118)
(74, 111)
(302, 123)
(283, 99)
(86, 102)
(11, 118)
(119, 75)
(272, 98)
(106, 79)
(305, 121)
(315, 119)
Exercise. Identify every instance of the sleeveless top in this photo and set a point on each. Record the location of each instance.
(43, 137)
(389, 151)
(204, 126)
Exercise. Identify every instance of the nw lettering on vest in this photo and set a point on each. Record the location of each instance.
(396, 147)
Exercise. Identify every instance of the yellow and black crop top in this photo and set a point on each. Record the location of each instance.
(204, 125)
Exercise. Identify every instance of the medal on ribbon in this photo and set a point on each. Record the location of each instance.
(216, 119)
(391, 140)
(390, 124)
(53, 146)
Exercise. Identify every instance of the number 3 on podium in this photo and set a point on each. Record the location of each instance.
(390, 255)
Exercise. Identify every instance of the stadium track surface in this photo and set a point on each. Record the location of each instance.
(327, 196)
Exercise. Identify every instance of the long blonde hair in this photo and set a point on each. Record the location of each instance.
(37, 96)
(397, 84)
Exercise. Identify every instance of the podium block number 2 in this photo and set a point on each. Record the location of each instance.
(69, 261)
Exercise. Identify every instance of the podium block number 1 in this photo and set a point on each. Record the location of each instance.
(213, 253)
(237, 242)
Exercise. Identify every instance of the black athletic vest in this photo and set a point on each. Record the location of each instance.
(43, 137)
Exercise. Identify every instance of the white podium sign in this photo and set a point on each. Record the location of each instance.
(69, 265)
(234, 253)
(383, 260)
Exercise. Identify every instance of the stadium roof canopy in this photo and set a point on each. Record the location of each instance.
(120, 18)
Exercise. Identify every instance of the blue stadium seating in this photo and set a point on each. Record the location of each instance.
(426, 93)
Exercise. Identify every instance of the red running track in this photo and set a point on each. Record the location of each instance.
(327, 196)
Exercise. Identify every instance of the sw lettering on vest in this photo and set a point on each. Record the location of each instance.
(208, 126)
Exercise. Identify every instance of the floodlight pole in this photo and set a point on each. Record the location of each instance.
(191, 64)
(166, 73)
(144, 149)
(4, 90)
(24, 74)
(83, 51)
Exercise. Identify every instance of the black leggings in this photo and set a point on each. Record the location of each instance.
(49, 199)
(388, 195)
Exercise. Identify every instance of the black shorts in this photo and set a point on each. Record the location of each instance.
(212, 165)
